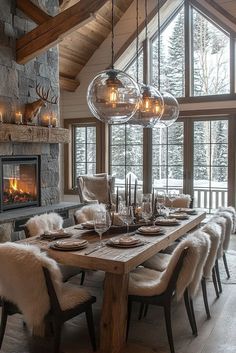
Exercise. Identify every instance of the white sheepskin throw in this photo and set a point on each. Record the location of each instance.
(214, 232)
(37, 225)
(22, 282)
(222, 223)
(87, 213)
(148, 282)
(228, 229)
(232, 211)
(182, 201)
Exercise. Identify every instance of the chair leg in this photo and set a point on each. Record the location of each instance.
(57, 336)
(82, 278)
(167, 308)
(193, 316)
(90, 323)
(189, 312)
(146, 310)
(204, 292)
(226, 266)
(215, 282)
(218, 276)
(129, 317)
(3, 323)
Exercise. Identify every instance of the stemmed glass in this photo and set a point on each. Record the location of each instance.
(102, 222)
(161, 199)
(172, 195)
(126, 214)
(146, 208)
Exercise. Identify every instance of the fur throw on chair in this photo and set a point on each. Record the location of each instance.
(22, 282)
(214, 232)
(37, 225)
(222, 223)
(228, 229)
(232, 211)
(87, 213)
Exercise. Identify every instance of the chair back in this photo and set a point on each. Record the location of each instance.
(37, 225)
(98, 187)
(55, 305)
(222, 223)
(228, 228)
(22, 280)
(213, 230)
(182, 201)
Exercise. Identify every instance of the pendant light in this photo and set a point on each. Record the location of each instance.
(113, 96)
(151, 104)
(171, 105)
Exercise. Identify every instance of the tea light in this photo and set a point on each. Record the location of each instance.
(18, 118)
(46, 120)
(1, 118)
(54, 121)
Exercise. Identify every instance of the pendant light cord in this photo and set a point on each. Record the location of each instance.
(159, 46)
(112, 34)
(137, 41)
(146, 21)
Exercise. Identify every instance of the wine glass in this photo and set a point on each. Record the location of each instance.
(172, 195)
(126, 215)
(146, 209)
(102, 222)
(161, 199)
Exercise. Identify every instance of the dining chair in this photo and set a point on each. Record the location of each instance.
(47, 222)
(179, 279)
(97, 187)
(31, 284)
(228, 231)
(181, 201)
(87, 213)
(232, 211)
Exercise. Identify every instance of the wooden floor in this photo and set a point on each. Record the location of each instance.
(216, 335)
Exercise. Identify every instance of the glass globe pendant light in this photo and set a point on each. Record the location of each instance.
(113, 96)
(151, 105)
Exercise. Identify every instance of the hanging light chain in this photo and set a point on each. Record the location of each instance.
(137, 40)
(159, 46)
(112, 34)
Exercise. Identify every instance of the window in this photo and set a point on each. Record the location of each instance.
(211, 57)
(168, 157)
(126, 151)
(84, 150)
(131, 68)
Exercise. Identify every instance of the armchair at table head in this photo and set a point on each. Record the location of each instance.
(22, 282)
(181, 201)
(97, 187)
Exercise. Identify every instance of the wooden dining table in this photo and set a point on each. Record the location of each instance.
(116, 263)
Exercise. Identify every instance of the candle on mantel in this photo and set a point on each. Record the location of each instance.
(1, 118)
(18, 118)
(54, 120)
(46, 120)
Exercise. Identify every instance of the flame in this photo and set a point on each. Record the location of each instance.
(13, 184)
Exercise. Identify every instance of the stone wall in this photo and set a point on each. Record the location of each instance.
(17, 87)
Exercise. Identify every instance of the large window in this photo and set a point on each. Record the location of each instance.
(126, 151)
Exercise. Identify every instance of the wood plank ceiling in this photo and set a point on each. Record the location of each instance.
(77, 48)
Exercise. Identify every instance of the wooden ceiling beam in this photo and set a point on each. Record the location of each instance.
(32, 11)
(51, 32)
(68, 84)
(220, 9)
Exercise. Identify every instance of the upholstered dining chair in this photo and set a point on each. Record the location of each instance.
(31, 284)
(232, 211)
(181, 201)
(180, 278)
(37, 225)
(87, 213)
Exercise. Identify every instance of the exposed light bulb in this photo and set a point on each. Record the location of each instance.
(113, 95)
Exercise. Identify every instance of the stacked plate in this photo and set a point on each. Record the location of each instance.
(69, 245)
(88, 225)
(125, 242)
(54, 234)
(190, 211)
(167, 222)
(179, 215)
(151, 230)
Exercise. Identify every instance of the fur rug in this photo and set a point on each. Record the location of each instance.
(37, 225)
(22, 282)
(87, 213)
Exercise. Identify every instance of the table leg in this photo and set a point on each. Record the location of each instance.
(114, 313)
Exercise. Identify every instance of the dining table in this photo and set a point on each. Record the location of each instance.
(116, 263)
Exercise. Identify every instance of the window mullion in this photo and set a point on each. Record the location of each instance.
(187, 48)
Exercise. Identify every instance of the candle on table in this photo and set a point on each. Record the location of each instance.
(153, 199)
(54, 120)
(117, 199)
(126, 190)
(46, 120)
(1, 118)
(135, 192)
(18, 118)
(130, 190)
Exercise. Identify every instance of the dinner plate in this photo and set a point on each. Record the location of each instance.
(152, 230)
(130, 242)
(55, 235)
(190, 211)
(88, 225)
(180, 216)
(71, 245)
(167, 222)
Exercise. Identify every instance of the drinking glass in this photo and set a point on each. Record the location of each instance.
(172, 195)
(102, 222)
(146, 209)
(126, 215)
(161, 199)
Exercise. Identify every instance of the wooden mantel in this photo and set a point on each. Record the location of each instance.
(26, 133)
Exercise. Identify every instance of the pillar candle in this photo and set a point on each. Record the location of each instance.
(135, 192)
(126, 190)
(130, 190)
(1, 118)
(18, 118)
(117, 199)
(54, 121)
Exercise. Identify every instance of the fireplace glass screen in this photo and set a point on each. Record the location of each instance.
(19, 182)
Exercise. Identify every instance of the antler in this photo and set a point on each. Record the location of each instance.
(44, 95)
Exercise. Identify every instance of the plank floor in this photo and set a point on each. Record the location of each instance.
(148, 335)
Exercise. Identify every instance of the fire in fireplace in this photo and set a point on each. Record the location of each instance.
(20, 182)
